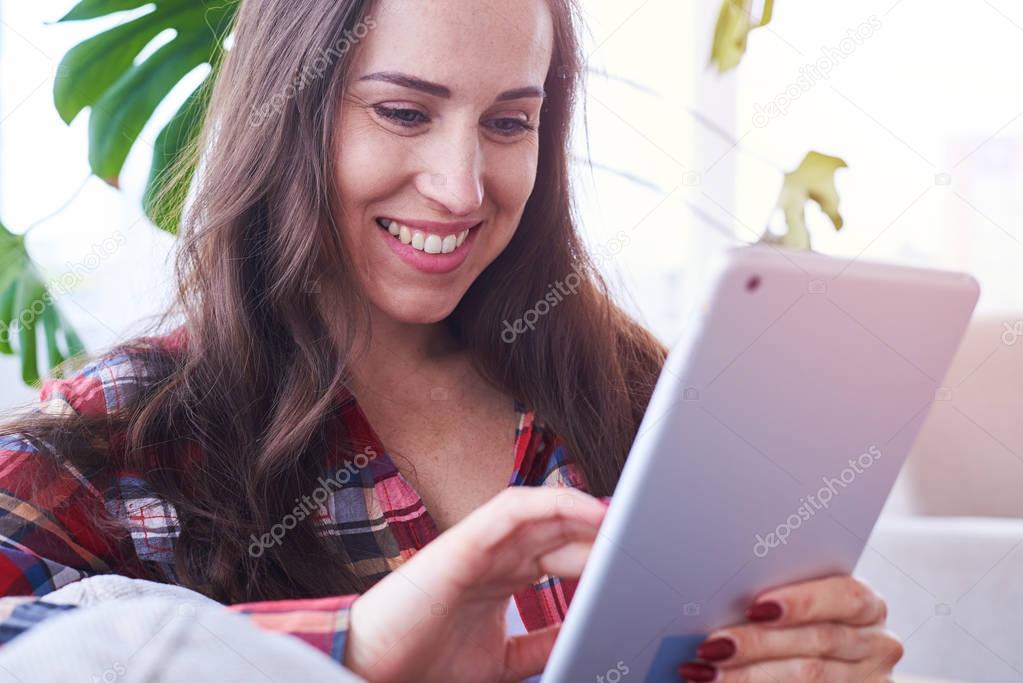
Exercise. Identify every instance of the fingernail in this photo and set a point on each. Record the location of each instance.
(764, 611)
(691, 671)
(716, 650)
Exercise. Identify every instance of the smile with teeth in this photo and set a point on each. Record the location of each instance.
(423, 241)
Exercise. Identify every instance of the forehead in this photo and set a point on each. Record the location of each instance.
(471, 46)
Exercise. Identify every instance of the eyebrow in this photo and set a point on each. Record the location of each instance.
(437, 90)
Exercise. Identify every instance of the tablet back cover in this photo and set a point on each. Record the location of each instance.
(772, 440)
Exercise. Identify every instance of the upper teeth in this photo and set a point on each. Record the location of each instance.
(424, 241)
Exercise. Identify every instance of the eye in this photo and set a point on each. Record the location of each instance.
(408, 118)
(511, 127)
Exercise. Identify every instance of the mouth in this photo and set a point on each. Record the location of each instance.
(425, 241)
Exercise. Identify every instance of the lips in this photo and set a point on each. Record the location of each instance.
(421, 251)
(436, 227)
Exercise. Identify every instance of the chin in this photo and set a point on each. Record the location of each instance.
(413, 310)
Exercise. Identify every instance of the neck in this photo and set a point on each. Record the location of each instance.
(400, 356)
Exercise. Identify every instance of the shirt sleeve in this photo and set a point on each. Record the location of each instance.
(320, 622)
(46, 541)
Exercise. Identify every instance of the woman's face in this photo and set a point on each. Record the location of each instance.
(438, 142)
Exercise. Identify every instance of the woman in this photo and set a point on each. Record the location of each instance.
(384, 191)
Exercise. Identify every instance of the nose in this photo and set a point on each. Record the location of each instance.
(453, 177)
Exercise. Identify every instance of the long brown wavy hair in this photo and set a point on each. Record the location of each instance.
(230, 427)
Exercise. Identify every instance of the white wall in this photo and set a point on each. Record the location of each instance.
(931, 91)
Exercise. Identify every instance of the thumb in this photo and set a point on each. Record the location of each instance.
(526, 655)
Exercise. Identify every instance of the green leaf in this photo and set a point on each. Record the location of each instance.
(123, 111)
(90, 9)
(74, 344)
(6, 313)
(732, 30)
(172, 142)
(101, 72)
(814, 180)
(12, 257)
(90, 68)
(29, 292)
(50, 323)
(25, 303)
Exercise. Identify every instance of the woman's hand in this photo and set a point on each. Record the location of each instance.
(440, 616)
(824, 630)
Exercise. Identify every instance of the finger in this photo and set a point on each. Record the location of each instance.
(522, 563)
(836, 598)
(524, 510)
(752, 643)
(567, 561)
(505, 539)
(805, 670)
(556, 546)
(516, 507)
(526, 655)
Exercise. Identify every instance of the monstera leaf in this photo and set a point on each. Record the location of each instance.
(814, 180)
(122, 91)
(25, 304)
(735, 21)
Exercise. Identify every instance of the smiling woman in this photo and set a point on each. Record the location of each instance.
(443, 145)
(349, 263)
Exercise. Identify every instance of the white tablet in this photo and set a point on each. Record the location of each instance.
(773, 437)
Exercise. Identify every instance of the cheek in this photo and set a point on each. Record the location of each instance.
(370, 168)
(508, 190)
(365, 171)
(513, 179)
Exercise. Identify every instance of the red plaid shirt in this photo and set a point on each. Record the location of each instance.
(44, 546)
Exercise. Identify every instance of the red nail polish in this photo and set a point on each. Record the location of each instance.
(691, 671)
(764, 611)
(716, 650)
